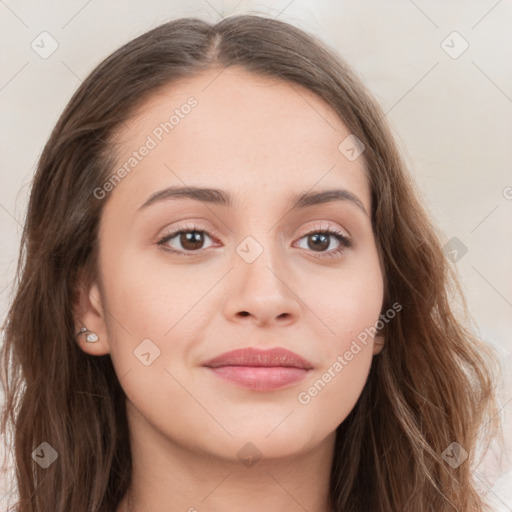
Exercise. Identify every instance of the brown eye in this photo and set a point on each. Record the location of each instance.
(191, 240)
(319, 241)
(184, 240)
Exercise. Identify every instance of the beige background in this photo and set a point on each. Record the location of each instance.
(452, 114)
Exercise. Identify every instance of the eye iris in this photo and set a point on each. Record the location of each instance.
(323, 240)
(190, 239)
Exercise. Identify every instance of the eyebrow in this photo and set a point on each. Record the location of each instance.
(224, 198)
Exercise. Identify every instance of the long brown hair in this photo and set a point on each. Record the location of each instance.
(431, 386)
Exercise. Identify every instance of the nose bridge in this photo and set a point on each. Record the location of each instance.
(259, 282)
(260, 241)
(259, 258)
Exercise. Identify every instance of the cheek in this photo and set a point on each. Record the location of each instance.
(350, 309)
(349, 302)
(148, 297)
(334, 390)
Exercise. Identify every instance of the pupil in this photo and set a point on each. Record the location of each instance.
(324, 242)
(190, 239)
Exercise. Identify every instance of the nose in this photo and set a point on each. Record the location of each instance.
(262, 292)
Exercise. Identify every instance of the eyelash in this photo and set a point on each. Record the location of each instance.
(345, 242)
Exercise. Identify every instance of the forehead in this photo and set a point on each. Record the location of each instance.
(244, 131)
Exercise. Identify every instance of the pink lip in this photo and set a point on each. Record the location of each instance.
(260, 370)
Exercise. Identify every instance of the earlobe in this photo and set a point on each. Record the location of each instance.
(90, 337)
(90, 327)
(378, 344)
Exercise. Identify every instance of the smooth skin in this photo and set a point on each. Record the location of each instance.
(262, 141)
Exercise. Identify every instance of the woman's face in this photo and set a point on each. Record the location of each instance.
(254, 271)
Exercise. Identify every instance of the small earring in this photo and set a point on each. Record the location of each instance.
(92, 337)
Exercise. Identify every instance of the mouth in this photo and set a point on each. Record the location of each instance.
(260, 370)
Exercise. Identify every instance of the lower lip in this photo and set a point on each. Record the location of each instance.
(260, 378)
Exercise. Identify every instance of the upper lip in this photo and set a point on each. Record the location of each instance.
(255, 357)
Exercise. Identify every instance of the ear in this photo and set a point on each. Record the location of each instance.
(88, 311)
(378, 343)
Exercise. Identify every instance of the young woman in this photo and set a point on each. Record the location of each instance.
(231, 297)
